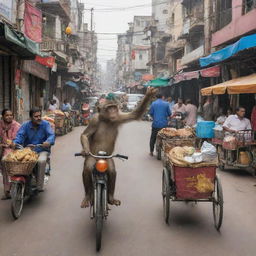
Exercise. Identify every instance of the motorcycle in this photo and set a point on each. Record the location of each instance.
(23, 187)
(99, 206)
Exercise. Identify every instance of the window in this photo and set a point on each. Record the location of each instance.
(165, 11)
(173, 18)
(224, 13)
(140, 56)
(248, 5)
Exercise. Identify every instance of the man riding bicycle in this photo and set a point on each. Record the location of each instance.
(34, 132)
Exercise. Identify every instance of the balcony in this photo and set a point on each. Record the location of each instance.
(53, 45)
(193, 56)
(56, 7)
(174, 46)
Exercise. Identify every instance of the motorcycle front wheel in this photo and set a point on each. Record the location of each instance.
(17, 194)
(99, 215)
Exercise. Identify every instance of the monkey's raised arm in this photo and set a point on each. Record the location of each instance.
(88, 132)
(140, 109)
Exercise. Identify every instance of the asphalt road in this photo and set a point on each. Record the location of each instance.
(53, 224)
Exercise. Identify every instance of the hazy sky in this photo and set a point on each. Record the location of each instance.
(113, 21)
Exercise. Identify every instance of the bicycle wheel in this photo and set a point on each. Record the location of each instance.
(17, 190)
(166, 194)
(99, 216)
(217, 204)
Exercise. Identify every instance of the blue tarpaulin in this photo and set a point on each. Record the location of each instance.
(72, 84)
(227, 52)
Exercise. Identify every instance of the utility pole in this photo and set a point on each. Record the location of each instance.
(92, 9)
(92, 48)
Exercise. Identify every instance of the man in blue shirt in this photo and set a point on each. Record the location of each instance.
(160, 111)
(66, 107)
(37, 131)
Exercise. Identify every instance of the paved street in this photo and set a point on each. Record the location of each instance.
(54, 225)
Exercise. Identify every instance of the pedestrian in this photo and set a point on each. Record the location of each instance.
(159, 111)
(253, 118)
(66, 106)
(8, 130)
(53, 105)
(208, 109)
(171, 103)
(191, 113)
(179, 107)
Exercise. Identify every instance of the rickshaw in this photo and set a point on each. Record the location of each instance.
(241, 151)
(179, 184)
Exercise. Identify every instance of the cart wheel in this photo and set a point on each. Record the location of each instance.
(159, 153)
(217, 203)
(166, 194)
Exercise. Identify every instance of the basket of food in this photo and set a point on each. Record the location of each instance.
(20, 162)
(230, 143)
(177, 137)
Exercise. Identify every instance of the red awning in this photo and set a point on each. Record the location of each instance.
(207, 72)
(210, 72)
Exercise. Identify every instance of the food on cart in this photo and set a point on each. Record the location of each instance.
(22, 155)
(181, 133)
(245, 158)
(59, 113)
(188, 155)
(185, 132)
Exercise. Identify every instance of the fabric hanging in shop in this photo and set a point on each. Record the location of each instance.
(33, 22)
(229, 51)
(72, 84)
(246, 84)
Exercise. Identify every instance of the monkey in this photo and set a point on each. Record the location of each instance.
(101, 135)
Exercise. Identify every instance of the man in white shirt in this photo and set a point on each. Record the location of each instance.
(179, 107)
(237, 122)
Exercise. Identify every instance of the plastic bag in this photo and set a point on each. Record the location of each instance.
(209, 152)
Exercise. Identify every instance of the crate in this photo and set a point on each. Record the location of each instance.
(204, 129)
(186, 180)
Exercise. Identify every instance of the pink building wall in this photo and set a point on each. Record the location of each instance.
(240, 25)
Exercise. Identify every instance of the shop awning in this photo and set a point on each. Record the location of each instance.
(16, 42)
(159, 82)
(246, 84)
(229, 51)
(61, 56)
(72, 84)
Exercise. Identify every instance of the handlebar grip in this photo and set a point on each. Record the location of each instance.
(122, 156)
(78, 154)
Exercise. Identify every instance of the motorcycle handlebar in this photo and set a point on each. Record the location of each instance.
(104, 157)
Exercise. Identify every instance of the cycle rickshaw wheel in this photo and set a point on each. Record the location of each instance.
(217, 203)
(166, 194)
